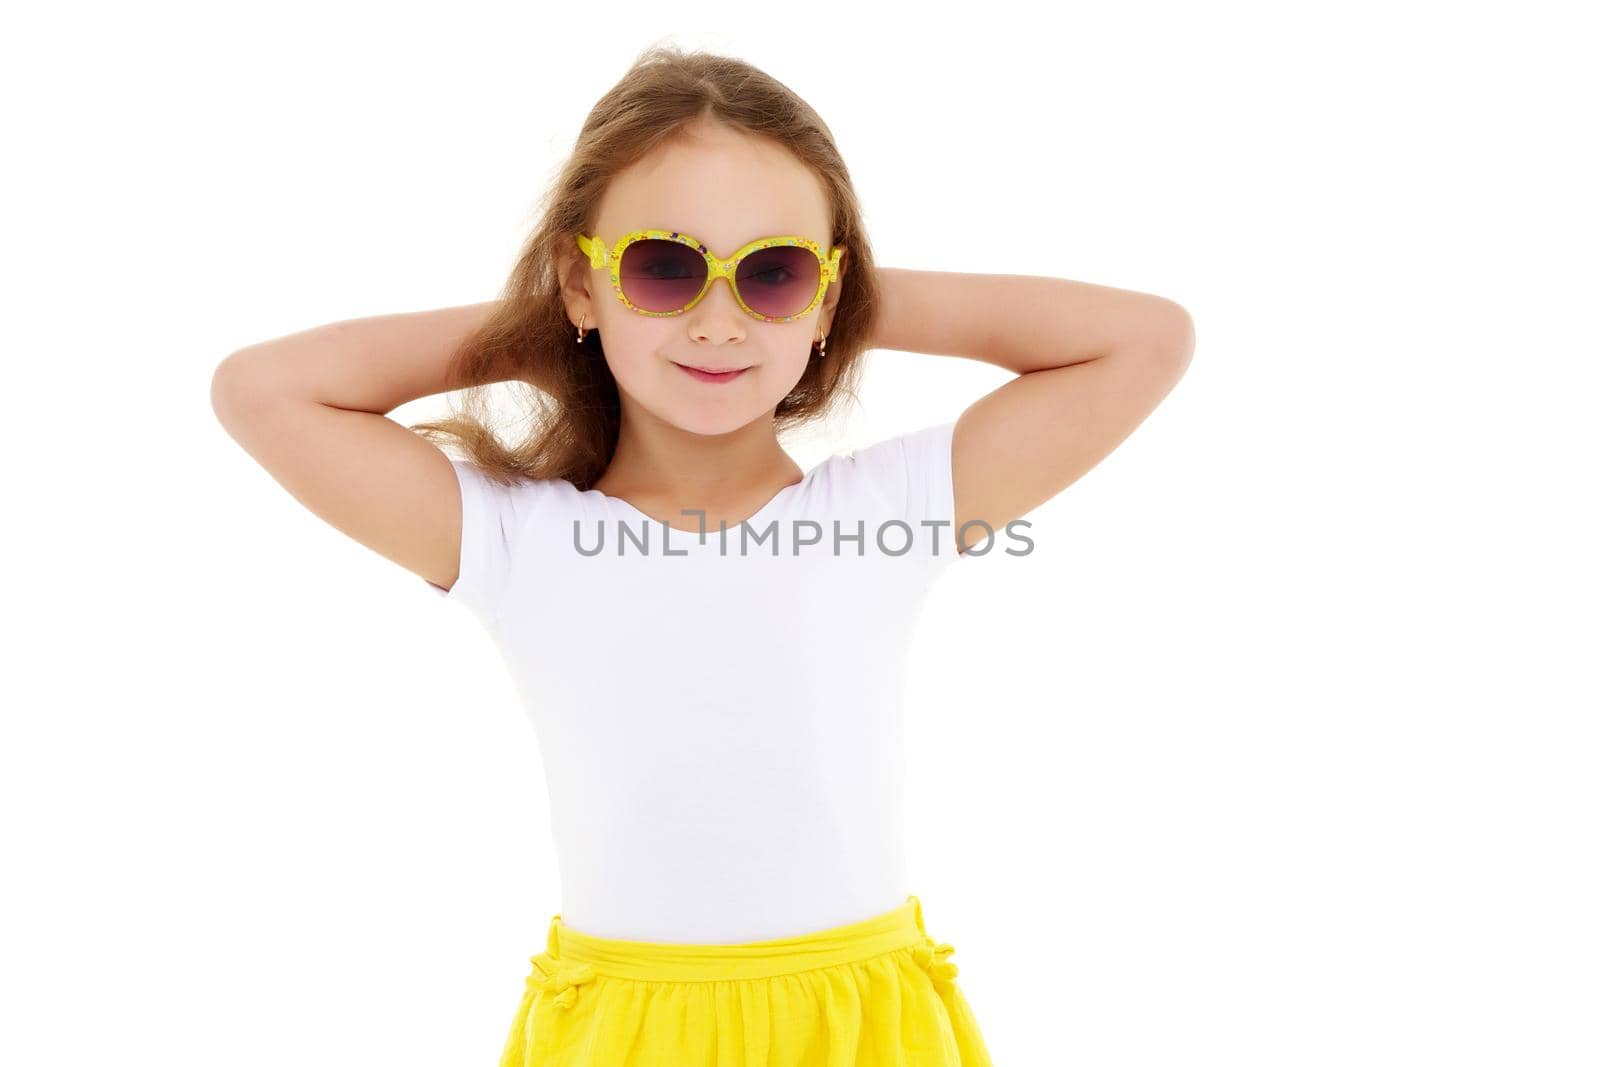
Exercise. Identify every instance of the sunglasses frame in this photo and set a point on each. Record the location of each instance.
(600, 258)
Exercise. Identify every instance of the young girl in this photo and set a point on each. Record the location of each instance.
(710, 642)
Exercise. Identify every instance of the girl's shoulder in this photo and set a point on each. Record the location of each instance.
(509, 497)
(911, 469)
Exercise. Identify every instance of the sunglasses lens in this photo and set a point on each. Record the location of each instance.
(660, 275)
(779, 281)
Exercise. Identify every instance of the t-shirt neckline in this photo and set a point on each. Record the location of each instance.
(712, 532)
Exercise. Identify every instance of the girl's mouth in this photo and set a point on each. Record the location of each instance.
(711, 376)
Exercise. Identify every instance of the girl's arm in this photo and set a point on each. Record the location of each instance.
(1093, 362)
(312, 409)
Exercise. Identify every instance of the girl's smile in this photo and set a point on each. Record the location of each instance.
(705, 375)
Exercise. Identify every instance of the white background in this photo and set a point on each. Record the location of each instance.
(1280, 748)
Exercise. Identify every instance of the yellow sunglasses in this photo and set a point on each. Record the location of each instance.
(661, 273)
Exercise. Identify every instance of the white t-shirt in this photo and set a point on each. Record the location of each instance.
(720, 725)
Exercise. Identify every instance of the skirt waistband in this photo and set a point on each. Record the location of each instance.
(571, 956)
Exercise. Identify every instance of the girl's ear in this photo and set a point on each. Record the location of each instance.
(830, 299)
(575, 276)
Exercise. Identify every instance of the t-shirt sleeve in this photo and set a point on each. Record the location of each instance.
(930, 490)
(492, 519)
(914, 472)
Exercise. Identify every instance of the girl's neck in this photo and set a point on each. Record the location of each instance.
(659, 469)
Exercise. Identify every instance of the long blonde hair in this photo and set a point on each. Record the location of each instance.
(571, 396)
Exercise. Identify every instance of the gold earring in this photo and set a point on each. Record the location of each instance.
(822, 351)
(581, 320)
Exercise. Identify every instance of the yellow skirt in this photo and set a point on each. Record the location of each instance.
(875, 993)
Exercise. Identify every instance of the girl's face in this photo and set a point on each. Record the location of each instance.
(726, 189)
